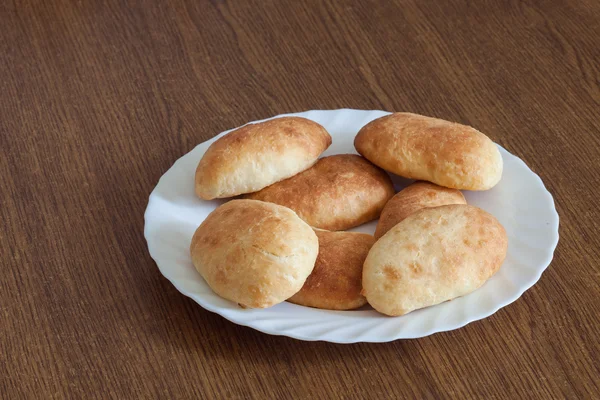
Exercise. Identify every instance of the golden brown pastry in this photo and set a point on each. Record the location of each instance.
(258, 155)
(418, 147)
(434, 255)
(335, 282)
(413, 198)
(337, 193)
(254, 253)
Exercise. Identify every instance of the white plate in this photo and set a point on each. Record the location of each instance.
(520, 202)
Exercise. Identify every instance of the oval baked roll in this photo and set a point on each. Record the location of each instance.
(258, 155)
(254, 253)
(336, 281)
(413, 198)
(337, 193)
(418, 147)
(434, 255)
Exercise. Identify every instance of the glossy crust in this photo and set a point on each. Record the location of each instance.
(337, 193)
(434, 255)
(418, 147)
(258, 155)
(413, 198)
(254, 253)
(336, 280)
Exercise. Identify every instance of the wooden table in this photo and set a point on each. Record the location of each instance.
(99, 98)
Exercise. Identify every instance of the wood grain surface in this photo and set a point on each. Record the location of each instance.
(99, 98)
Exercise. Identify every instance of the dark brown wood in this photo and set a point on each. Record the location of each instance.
(99, 98)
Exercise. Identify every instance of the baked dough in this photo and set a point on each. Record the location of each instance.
(254, 253)
(434, 255)
(337, 193)
(413, 198)
(258, 155)
(335, 283)
(418, 147)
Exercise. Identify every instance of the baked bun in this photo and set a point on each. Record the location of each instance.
(337, 193)
(418, 147)
(335, 282)
(434, 255)
(258, 155)
(413, 198)
(254, 253)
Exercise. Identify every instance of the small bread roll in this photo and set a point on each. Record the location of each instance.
(339, 192)
(258, 155)
(418, 147)
(413, 198)
(434, 255)
(254, 253)
(335, 282)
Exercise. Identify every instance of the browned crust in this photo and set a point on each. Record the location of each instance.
(431, 149)
(339, 192)
(254, 253)
(413, 198)
(434, 255)
(336, 280)
(257, 155)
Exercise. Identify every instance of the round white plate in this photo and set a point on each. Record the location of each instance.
(520, 202)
